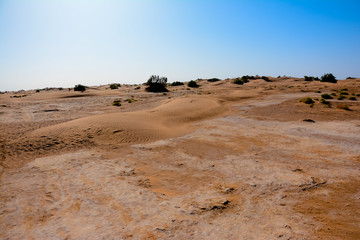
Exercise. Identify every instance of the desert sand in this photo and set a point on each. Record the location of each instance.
(222, 161)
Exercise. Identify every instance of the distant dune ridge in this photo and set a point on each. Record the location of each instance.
(220, 161)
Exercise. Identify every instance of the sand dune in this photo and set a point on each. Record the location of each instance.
(170, 119)
(221, 161)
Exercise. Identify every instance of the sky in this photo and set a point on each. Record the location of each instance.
(47, 43)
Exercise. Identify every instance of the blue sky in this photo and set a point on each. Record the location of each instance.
(61, 43)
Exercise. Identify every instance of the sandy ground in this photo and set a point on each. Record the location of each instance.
(222, 161)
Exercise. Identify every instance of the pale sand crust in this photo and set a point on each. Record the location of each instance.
(219, 162)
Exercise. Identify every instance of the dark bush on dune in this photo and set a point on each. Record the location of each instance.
(80, 88)
(326, 96)
(308, 79)
(115, 86)
(328, 78)
(193, 84)
(247, 77)
(238, 81)
(213, 80)
(244, 79)
(311, 78)
(266, 79)
(176, 84)
(156, 84)
(307, 100)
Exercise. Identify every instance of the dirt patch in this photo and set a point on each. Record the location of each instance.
(337, 209)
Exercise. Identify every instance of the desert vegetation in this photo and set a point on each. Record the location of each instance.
(18, 96)
(115, 86)
(325, 102)
(311, 78)
(214, 80)
(328, 77)
(177, 83)
(193, 84)
(238, 81)
(266, 79)
(117, 103)
(326, 96)
(307, 100)
(156, 84)
(80, 88)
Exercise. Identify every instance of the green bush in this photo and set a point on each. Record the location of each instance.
(326, 96)
(307, 100)
(176, 84)
(311, 78)
(117, 103)
(333, 94)
(344, 93)
(244, 79)
(130, 100)
(239, 81)
(329, 77)
(352, 98)
(80, 88)
(115, 86)
(341, 97)
(193, 84)
(156, 84)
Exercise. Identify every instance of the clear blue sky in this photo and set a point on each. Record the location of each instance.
(47, 43)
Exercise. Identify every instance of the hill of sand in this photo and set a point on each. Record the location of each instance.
(222, 161)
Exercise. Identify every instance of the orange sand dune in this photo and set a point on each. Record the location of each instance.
(168, 120)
